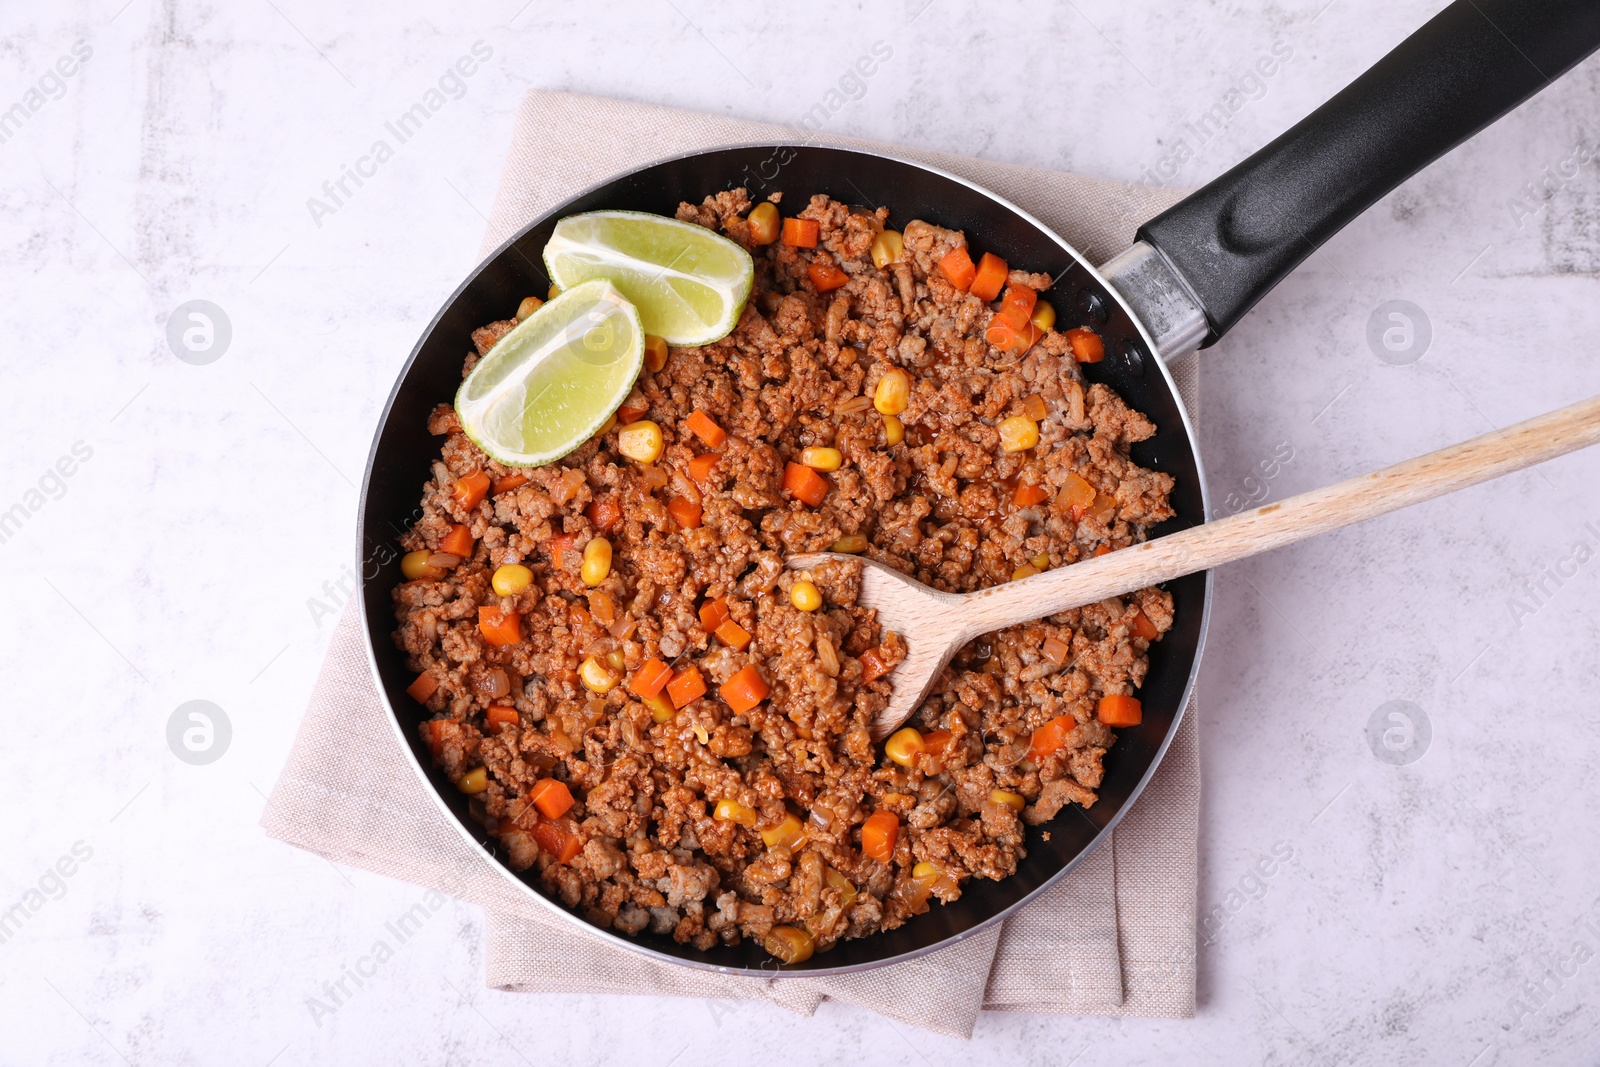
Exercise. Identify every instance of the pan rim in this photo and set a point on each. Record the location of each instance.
(777, 971)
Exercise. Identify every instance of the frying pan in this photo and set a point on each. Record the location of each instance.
(1189, 276)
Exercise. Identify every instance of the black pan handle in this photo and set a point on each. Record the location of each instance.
(1235, 239)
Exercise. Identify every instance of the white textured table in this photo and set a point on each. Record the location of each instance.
(1438, 911)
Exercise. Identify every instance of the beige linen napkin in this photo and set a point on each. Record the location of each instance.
(1115, 937)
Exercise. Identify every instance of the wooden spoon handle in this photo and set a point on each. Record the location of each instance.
(1299, 517)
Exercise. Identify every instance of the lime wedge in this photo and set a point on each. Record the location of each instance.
(689, 284)
(552, 382)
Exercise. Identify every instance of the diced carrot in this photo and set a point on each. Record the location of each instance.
(705, 427)
(804, 484)
(1117, 709)
(1077, 494)
(605, 513)
(501, 715)
(713, 613)
(685, 512)
(432, 733)
(825, 276)
(873, 666)
(572, 844)
(651, 677)
(1027, 337)
(560, 545)
(1016, 307)
(632, 412)
(991, 275)
(470, 490)
(510, 482)
(1102, 550)
(458, 542)
(801, 233)
(551, 797)
(423, 688)
(1029, 495)
(700, 467)
(957, 268)
(1087, 347)
(686, 687)
(935, 747)
(562, 845)
(733, 635)
(744, 690)
(1141, 626)
(499, 627)
(1051, 736)
(1001, 334)
(1056, 650)
(879, 834)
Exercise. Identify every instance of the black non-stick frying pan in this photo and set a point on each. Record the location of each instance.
(1188, 278)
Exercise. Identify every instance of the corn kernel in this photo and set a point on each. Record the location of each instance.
(1018, 433)
(641, 441)
(529, 305)
(926, 872)
(822, 459)
(554, 292)
(1027, 570)
(661, 709)
(415, 565)
(904, 746)
(850, 543)
(789, 943)
(894, 431)
(887, 248)
(655, 352)
(764, 222)
(788, 832)
(1041, 561)
(596, 562)
(893, 392)
(805, 596)
(1011, 800)
(511, 579)
(616, 659)
(474, 781)
(595, 677)
(733, 811)
(1044, 316)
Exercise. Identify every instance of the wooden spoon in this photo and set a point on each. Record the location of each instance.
(936, 624)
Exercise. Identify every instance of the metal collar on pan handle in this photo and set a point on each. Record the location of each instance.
(1223, 248)
(1160, 299)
